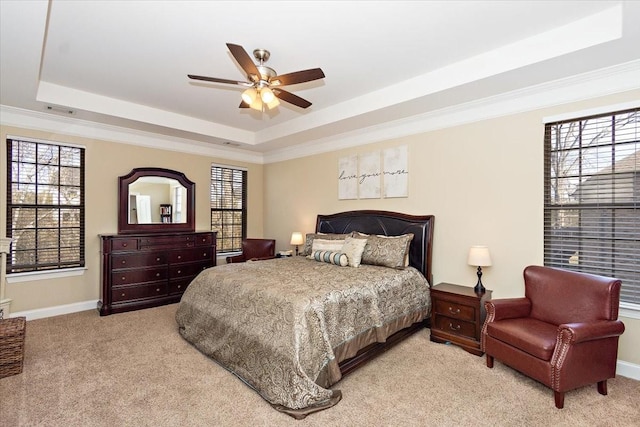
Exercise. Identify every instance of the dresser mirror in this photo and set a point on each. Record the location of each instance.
(155, 200)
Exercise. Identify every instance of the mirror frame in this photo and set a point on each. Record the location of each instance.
(123, 199)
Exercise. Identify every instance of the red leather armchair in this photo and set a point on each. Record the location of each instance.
(563, 333)
(255, 250)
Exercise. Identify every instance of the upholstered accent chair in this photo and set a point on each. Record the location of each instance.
(255, 250)
(563, 333)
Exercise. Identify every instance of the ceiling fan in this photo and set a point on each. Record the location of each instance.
(264, 88)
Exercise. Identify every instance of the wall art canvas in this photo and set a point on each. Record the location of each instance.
(369, 175)
(395, 173)
(348, 177)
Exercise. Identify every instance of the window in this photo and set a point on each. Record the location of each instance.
(592, 197)
(229, 207)
(45, 206)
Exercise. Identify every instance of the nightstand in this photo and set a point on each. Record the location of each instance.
(457, 316)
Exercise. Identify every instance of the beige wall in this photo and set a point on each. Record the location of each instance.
(104, 163)
(483, 182)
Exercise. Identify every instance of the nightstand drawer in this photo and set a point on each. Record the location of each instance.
(455, 326)
(453, 309)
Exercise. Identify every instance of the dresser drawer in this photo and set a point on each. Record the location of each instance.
(178, 286)
(127, 293)
(187, 270)
(168, 242)
(203, 239)
(125, 244)
(455, 326)
(454, 309)
(188, 255)
(138, 260)
(128, 277)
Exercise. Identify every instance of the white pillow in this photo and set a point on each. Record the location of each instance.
(353, 248)
(327, 245)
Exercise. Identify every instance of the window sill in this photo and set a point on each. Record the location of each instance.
(32, 276)
(628, 310)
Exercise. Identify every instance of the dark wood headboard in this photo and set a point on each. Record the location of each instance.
(387, 224)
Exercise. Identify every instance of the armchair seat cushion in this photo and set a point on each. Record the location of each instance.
(526, 333)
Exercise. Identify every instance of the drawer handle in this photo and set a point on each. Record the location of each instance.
(454, 328)
(452, 311)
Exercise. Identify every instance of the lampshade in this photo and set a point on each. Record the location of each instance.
(479, 256)
(249, 96)
(267, 95)
(297, 238)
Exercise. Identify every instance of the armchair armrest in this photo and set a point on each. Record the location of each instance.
(581, 332)
(235, 258)
(262, 258)
(507, 308)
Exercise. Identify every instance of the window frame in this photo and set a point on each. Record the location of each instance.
(630, 302)
(230, 234)
(74, 266)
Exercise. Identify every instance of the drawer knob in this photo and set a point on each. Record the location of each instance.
(179, 271)
(204, 254)
(124, 245)
(179, 256)
(454, 328)
(157, 274)
(179, 286)
(157, 289)
(124, 261)
(124, 278)
(123, 294)
(452, 311)
(158, 259)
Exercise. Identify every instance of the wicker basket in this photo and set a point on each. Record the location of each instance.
(12, 333)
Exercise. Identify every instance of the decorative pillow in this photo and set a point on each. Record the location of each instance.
(353, 248)
(311, 236)
(337, 258)
(327, 245)
(387, 251)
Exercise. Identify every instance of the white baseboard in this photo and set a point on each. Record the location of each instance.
(41, 313)
(625, 369)
(629, 370)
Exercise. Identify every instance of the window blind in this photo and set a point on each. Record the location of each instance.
(229, 207)
(592, 197)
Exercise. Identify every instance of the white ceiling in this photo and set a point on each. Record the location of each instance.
(124, 64)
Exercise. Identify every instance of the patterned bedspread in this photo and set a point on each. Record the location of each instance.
(283, 325)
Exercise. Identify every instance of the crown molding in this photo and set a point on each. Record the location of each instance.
(606, 81)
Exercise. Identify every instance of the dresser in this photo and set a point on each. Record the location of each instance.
(147, 270)
(457, 316)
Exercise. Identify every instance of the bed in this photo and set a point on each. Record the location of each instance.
(291, 328)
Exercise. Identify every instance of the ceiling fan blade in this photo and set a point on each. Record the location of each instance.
(245, 61)
(297, 77)
(243, 105)
(217, 80)
(291, 98)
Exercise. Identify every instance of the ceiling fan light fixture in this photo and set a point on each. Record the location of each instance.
(250, 95)
(267, 95)
(256, 104)
(273, 103)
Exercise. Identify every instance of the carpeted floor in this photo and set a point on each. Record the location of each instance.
(134, 369)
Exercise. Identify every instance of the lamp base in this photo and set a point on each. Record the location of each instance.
(479, 288)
